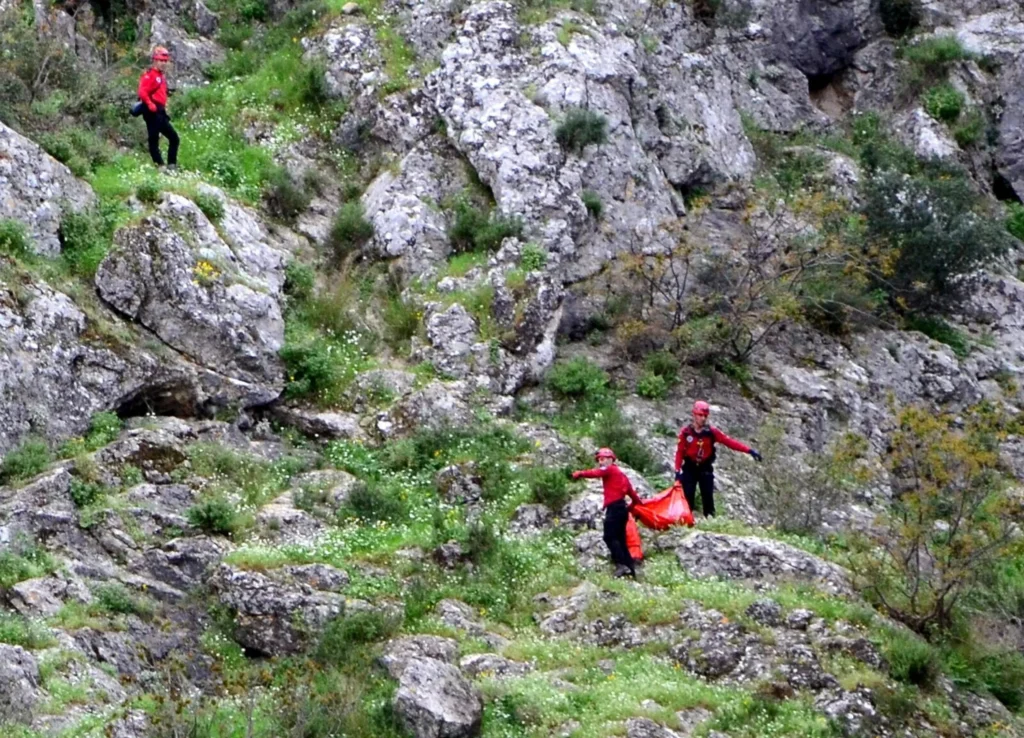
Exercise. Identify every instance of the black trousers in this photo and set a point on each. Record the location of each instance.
(157, 123)
(615, 517)
(702, 475)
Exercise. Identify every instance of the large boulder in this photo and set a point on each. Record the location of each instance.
(1010, 151)
(19, 685)
(200, 300)
(757, 560)
(271, 617)
(434, 700)
(36, 190)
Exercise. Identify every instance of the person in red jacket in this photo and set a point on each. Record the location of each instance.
(617, 488)
(153, 94)
(695, 457)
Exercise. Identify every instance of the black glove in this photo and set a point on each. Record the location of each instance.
(755, 454)
(679, 476)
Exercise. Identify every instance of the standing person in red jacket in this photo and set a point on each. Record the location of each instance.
(695, 457)
(616, 488)
(153, 94)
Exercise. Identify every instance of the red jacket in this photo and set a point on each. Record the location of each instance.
(616, 484)
(698, 447)
(153, 89)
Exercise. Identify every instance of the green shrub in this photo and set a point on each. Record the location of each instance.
(211, 205)
(402, 320)
(592, 201)
(911, 659)
(578, 379)
(350, 230)
(20, 631)
(104, 428)
(580, 128)
(27, 460)
(374, 502)
(1015, 220)
(224, 166)
(215, 515)
(148, 192)
(970, 129)
(936, 52)
(944, 102)
(474, 230)
(550, 487)
(312, 369)
(284, 199)
(299, 280)
(81, 150)
(652, 386)
(900, 17)
(999, 672)
(663, 364)
(616, 432)
(313, 91)
(23, 560)
(533, 258)
(14, 238)
(84, 493)
(115, 598)
(933, 235)
(253, 10)
(351, 630)
(939, 330)
(85, 240)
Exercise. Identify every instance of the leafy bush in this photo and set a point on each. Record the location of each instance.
(578, 379)
(944, 102)
(939, 330)
(284, 199)
(550, 487)
(299, 280)
(350, 230)
(224, 166)
(999, 672)
(474, 230)
(1014, 220)
(935, 237)
(580, 128)
(402, 320)
(936, 52)
(313, 91)
(663, 364)
(616, 432)
(24, 559)
(84, 492)
(27, 460)
(911, 659)
(312, 369)
(374, 502)
(85, 238)
(652, 386)
(592, 202)
(104, 428)
(900, 17)
(533, 258)
(148, 192)
(355, 629)
(20, 631)
(215, 515)
(970, 129)
(482, 541)
(211, 205)
(81, 150)
(115, 598)
(13, 238)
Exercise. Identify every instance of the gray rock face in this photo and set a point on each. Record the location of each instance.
(45, 596)
(489, 664)
(434, 700)
(191, 55)
(436, 406)
(19, 684)
(271, 617)
(200, 302)
(184, 562)
(647, 728)
(1010, 152)
(818, 37)
(36, 189)
(757, 559)
(402, 651)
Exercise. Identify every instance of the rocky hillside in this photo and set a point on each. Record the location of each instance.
(286, 433)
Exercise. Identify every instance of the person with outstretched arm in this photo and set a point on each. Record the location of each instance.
(617, 488)
(153, 95)
(695, 457)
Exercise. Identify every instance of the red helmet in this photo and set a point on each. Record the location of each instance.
(604, 453)
(160, 53)
(701, 408)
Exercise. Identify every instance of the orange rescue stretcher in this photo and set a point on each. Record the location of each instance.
(661, 511)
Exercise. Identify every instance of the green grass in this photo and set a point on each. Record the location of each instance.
(939, 330)
(24, 560)
(27, 460)
(19, 631)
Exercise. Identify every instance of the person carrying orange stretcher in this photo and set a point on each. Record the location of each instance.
(616, 514)
(695, 457)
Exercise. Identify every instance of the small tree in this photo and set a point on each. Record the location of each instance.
(952, 518)
(795, 497)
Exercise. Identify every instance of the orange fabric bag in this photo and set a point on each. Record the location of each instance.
(660, 512)
(633, 540)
